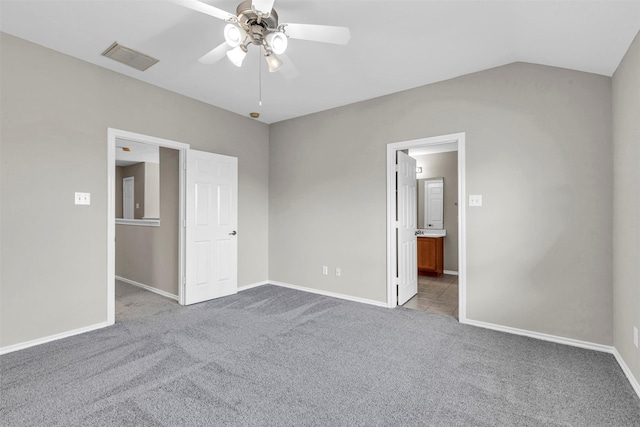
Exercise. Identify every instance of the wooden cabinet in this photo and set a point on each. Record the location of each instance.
(430, 255)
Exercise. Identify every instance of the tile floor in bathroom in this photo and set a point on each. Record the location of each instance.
(437, 295)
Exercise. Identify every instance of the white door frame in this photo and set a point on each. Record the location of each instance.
(459, 138)
(112, 134)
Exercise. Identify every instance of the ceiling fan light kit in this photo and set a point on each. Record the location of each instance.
(234, 35)
(256, 22)
(273, 62)
(237, 55)
(278, 42)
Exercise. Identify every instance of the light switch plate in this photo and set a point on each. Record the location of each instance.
(475, 200)
(83, 198)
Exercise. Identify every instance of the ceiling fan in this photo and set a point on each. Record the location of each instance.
(256, 22)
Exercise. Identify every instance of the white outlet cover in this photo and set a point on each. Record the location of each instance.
(475, 200)
(338, 272)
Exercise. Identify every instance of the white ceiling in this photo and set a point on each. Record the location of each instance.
(395, 45)
(138, 152)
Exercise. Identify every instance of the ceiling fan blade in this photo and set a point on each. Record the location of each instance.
(206, 9)
(263, 6)
(318, 33)
(289, 71)
(216, 54)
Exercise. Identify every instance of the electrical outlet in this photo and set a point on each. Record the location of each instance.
(635, 336)
(338, 272)
(325, 270)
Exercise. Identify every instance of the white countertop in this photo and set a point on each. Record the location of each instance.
(426, 232)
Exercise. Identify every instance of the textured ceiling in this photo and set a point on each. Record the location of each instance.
(395, 45)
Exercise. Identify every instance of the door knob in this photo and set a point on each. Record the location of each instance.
(233, 233)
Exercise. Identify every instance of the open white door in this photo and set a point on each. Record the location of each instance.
(407, 224)
(212, 220)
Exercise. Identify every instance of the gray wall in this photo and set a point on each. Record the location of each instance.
(149, 255)
(442, 165)
(538, 149)
(118, 190)
(539, 252)
(626, 206)
(55, 111)
(151, 190)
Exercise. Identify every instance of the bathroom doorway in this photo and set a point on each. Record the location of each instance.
(437, 229)
(447, 286)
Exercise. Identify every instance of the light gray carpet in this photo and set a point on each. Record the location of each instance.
(271, 356)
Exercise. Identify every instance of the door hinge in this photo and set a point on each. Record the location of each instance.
(184, 223)
(184, 280)
(395, 168)
(396, 224)
(184, 165)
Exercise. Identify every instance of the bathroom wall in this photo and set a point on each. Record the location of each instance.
(442, 165)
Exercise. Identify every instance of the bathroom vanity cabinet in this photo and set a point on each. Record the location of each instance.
(430, 255)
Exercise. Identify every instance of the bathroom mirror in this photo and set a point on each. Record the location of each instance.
(137, 183)
(431, 203)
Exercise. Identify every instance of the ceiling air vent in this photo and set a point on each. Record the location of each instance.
(129, 57)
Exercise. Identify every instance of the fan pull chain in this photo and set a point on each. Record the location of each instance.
(260, 77)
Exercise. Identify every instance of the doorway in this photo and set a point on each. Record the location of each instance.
(393, 269)
(207, 220)
(142, 220)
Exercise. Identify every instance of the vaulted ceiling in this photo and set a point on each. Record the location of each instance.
(395, 45)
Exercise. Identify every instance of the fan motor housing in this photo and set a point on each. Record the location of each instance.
(255, 24)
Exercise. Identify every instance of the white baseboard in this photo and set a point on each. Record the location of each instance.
(627, 372)
(538, 335)
(252, 285)
(148, 288)
(561, 340)
(329, 294)
(27, 344)
(453, 273)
